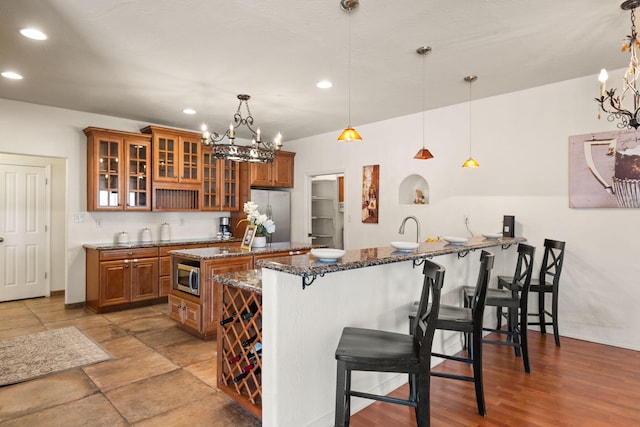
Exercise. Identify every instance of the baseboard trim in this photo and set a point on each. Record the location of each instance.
(74, 305)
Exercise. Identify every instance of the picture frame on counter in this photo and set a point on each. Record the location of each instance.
(249, 234)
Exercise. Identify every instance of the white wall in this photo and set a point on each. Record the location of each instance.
(521, 142)
(53, 132)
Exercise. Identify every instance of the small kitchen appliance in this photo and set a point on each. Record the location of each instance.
(225, 228)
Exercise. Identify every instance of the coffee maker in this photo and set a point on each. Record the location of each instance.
(225, 228)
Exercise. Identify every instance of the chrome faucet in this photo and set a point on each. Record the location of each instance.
(404, 221)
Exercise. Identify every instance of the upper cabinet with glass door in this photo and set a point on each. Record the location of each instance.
(176, 155)
(118, 170)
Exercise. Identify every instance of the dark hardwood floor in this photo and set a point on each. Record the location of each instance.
(578, 384)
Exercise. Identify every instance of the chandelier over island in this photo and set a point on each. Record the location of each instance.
(614, 106)
(258, 152)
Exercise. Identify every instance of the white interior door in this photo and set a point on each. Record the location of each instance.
(23, 214)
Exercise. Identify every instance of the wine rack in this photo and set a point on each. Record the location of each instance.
(240, 366)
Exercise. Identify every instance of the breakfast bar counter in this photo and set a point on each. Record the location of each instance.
(305, 304)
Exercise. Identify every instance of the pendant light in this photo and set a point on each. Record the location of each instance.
(423, 153)
(349, 134)
(470, 162)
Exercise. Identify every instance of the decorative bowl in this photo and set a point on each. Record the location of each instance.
(493, 236)
(458, 241)
(405, 246)
(327, 254)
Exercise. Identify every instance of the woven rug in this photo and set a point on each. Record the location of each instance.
(29, 356)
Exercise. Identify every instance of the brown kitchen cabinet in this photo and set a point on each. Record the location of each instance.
(187, 313)
(177, 169)
(121, 278)
(176, 155)
(220, 183)
(118, 170)
(206, 326)
(278, 174)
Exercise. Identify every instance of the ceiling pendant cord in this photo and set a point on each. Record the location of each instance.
(349, 133)
(470, 162)
(423, 154)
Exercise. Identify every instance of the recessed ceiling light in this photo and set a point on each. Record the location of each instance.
(12, 75)
(34, 34)
(189, 111)
(324, 84)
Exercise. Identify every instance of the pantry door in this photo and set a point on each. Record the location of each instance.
(23, 231)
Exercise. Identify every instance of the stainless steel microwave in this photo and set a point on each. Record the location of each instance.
(188, 279)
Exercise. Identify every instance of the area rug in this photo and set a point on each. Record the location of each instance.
(29, 356)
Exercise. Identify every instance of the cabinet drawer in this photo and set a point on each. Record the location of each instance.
(128, 253)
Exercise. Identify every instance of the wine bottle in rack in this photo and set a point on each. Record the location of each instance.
(235, 359)
(253, 308)
(244, 374)
(228, 319)
(252, 338)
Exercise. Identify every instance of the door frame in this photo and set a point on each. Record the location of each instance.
(307, 205)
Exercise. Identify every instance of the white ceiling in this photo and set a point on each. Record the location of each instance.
(147, 60)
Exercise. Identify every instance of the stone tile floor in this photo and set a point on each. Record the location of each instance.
(159, 374)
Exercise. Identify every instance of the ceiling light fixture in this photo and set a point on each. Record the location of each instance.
(33, 34)
(349, 134)
(189, 111)
(12, 75)
(470, 162)
(423, 153)
(324, 84)
(258, 152)
(609, 102)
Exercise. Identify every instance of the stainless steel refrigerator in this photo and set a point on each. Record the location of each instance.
(276, 204)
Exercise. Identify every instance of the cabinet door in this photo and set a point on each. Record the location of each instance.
(144, 279)
(175, 308)
(105, 162)
(190, 158)
(165, 157)
(138, 171)
(282, 173)
(260, 175)
(114, 282)
(229, 185)
(191, 315)
(210, 183)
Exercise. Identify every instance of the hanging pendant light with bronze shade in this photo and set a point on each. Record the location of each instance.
(349, 134)
(470, 162)
(423, 153)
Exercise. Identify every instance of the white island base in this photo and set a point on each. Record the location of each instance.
(301, 329)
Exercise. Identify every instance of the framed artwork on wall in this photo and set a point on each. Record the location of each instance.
(604, 170)
(370, 193)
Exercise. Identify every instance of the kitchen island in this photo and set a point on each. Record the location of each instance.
(306, 303)
(195, 306)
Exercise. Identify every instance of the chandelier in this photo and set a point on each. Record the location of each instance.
(258, 152)
(609, 102)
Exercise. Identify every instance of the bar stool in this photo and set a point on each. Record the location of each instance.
(382, 351)
(515, 300)
(468, 320)
(547, 283)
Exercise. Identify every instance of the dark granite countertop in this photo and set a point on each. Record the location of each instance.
(237, 251)
(250, 280)
(309, 266)
(157, 243)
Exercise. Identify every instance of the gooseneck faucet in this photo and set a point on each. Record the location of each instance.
(404, 221)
